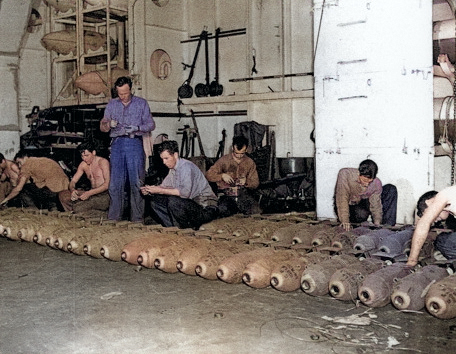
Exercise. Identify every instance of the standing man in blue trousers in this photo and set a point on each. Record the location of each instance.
(128, 119)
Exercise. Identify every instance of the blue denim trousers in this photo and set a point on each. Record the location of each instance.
(127, 175)
(361, 211)
(446, 244)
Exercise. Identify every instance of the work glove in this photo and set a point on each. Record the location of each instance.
(131, 128)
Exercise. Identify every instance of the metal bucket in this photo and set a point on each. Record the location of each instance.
(291, 165)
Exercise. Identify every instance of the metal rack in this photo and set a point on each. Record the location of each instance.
(107, 20)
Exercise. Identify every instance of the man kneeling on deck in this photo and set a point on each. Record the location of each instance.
(359, 193)
(96, 169)
(184, 198)
(40, 179)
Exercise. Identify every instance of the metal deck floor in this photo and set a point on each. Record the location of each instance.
(57, 302)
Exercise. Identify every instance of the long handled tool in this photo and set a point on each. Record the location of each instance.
(186, 91)
(202, 90)
(200, 143)
(215, 88)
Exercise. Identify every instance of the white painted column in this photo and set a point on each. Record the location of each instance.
(373, 95)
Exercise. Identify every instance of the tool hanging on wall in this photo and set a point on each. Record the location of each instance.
(186, 91)
(254, 70)
(221, 149)
(215, 88)
(202, 90)
(195, 127)
(188, 141)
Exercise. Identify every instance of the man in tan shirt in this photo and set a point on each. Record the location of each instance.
(237, 179)
(9, 174)
(96, 168)
(46, 179)
(359, 193)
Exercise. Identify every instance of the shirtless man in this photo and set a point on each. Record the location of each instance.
(9, 175)
(96, 169)
(433, 207)
(445, 68)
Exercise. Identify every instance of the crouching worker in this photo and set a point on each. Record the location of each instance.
(96, 169)
(9, 175)
(237, 179)
(40, 179)
(360, 194)
(433, 207)
(184, 198)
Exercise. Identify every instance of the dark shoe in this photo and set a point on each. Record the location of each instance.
(212, 212)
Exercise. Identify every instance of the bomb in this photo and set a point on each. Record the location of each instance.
(409, 292)
(344, 283)
(93, 246)
(189, 258)
(377, 287)
(30, 224)
(257, 274)
(208, 266)
(325, 236)
(131, 250)
(9, 229)
(371, 240)
(44, 232)
(269, 227)
(344, 240)
(221, 225)
(64, 238)
(112, 248)
(51, 239)
(168, 257)
(306, 233)
(249, 228)
(441, 298)
(286, 276)
(394, 244)
(315, 278)
(81, 236)
(231, 269)
(26, 232)
(146, 257)
(285, 234)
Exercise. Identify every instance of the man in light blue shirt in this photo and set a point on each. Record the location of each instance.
(184, 199)
(128, 119)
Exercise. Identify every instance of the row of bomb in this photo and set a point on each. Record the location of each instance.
(283, 231)
(287, 269)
